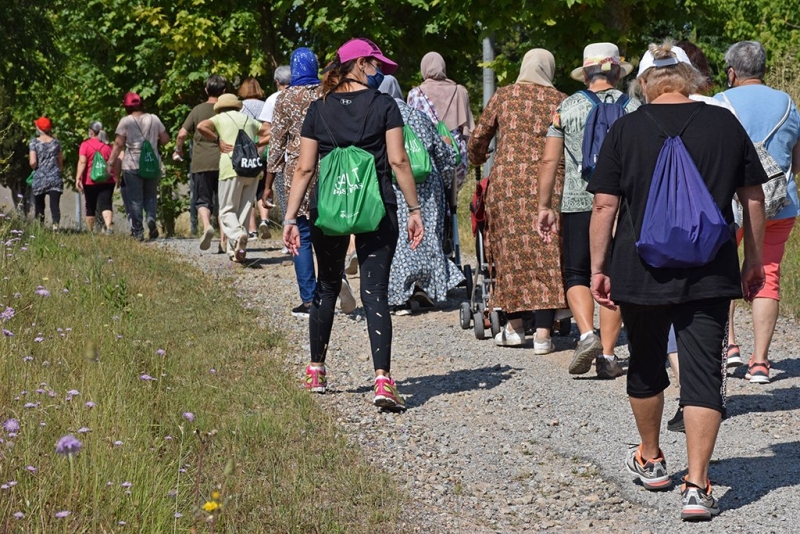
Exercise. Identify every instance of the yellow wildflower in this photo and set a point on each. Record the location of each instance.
(210, 506)
(215, 495)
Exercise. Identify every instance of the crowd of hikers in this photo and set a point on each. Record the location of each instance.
(635, 201)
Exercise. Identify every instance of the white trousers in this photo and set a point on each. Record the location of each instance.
(236, 197)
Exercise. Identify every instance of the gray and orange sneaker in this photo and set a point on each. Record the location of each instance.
(758, 372)
(387, 396)
(698, 504)
(316, 380)
(652, 472)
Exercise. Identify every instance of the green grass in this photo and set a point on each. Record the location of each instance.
(275, 457)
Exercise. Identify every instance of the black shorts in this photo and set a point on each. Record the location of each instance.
(700, 328)
(262, 184)
(576, 261)
(205, 188)
(98, 198)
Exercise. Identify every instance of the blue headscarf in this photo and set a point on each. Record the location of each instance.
(304, 67)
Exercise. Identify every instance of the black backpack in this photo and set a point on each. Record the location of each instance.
(245, 158)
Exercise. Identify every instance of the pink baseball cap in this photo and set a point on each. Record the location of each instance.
(131, 100)
(360, 47)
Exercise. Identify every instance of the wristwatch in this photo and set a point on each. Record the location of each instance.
(290, 222)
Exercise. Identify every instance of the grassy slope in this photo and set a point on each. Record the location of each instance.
(113, 305)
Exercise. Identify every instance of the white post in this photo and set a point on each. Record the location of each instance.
(488, 89)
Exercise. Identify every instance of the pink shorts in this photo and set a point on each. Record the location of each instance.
(775, 236)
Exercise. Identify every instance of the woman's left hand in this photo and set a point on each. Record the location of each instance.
(415, 229)
(291, 238)
(224, 147)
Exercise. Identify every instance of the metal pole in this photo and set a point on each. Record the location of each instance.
(78, 221)
(488, 89)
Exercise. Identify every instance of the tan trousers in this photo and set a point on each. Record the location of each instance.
(236, 197)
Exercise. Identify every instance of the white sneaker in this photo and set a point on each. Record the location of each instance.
(263, 231)
(208, 235)
(351, 264)
(346, 299)
(542, 347)
(509, 338)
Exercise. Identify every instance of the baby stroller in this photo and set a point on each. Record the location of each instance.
(476, 312)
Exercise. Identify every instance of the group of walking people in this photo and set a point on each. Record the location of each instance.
(572, 221)
(581, 208)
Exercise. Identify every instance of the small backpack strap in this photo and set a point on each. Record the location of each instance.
(623, 100)
(777, 126)
(591, 96)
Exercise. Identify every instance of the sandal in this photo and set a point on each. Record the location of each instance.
(734, 358)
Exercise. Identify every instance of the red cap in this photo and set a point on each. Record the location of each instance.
(43, 123)
(131, 100)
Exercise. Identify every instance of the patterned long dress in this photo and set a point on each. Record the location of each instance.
(426, 267)
(48, 175)
(528, 270)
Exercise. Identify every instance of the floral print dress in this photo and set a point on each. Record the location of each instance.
(48, 175)
(426, 267)
(528, 271)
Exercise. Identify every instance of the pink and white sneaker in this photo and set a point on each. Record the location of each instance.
(316, 379)
(386, 394)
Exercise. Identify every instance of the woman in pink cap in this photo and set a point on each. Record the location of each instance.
(353, 113)
(47, 161)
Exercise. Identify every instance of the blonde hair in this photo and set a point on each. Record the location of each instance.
(679, 78)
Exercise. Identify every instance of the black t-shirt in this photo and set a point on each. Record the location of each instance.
(726, 159)
(360, 118)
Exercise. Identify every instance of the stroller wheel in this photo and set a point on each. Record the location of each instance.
(465, 315)
(477, 318)
(469, 282)
(494, 320)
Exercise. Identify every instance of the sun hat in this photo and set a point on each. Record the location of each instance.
(43, 123)
(131, 100)
(360, 47)
(227, 101)
(603, 54)
(648, 60)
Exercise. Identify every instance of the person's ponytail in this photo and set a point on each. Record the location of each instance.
(335, 75)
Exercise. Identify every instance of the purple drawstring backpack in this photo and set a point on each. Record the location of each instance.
(682, 226)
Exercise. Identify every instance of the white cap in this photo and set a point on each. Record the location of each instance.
(679, 56)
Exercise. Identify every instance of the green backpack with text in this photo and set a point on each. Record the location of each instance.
(149, 166)
(98, 172)
(418, 156)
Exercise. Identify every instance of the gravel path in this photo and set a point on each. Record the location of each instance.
(498, 440)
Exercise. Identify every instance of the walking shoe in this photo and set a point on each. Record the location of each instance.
(386, 394)
(316, 379)
(301, 311)
(509, 338)
(676, 423)
(652, 473)
(402, 309)
(607, 369)
(351, 264)
(758, 372)
(208, 235)
(55, 228)
(734, 357)
(542, 346)
(698, 504)
(240, 248)
(263, 231)
(252, 235)
(285, 250)
(347, 302)
(108, 231)
(152, 228)
(585, 353)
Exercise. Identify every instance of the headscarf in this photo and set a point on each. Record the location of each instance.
(304, 68)
(450, 100)
(391, 87)
(538, 67)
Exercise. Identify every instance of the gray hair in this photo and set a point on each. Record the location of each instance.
(96, 127)
(283, 75)
(595, 71)
(748, 59)
(102, 136)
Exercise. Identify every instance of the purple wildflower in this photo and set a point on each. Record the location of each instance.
(122, 523)
(68, 330)
(68, 445)
(12, 425)
(62, 514)
(8, 333)
(38, 339)
(12, 483)
(126, 484)
(189, 416)
(167, 438)
(90, 405)
(18, 515)
(40, 391)
(7, 314)
(31, 469)
(27, 358)
(4, 486)
(42, 291)
(213, 371)
(65, 290)
(30, 405)
(73, 392)
(84, 430)
(178, 515)
(118, 443)
(147, 377)
(161, 352)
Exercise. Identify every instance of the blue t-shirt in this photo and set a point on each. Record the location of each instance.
(759, 108)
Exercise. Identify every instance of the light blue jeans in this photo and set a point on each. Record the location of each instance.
(142, 198)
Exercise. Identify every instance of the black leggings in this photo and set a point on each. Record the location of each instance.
(55, 208)
(576, 262)
(98, 198)
(542, 318)
(375, 251)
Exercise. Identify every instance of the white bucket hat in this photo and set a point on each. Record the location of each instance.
(603, 54)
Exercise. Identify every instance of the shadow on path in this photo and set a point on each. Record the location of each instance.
(773, 400)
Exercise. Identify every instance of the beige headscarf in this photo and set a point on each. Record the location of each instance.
(450, 100)
(538, 67)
